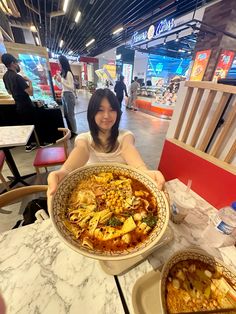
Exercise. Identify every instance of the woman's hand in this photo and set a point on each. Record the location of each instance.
(57, 77)
(157, 176)
(54, 178)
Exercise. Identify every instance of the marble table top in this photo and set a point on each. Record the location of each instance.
(186, 235)
(39, 274)
(16, 135)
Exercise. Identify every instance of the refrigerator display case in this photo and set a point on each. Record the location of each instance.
(36, 69)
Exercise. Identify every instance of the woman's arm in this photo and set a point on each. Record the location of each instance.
(77, 158)
(131, 154)
(133, 158)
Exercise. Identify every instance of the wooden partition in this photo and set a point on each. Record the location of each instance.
(185, 156)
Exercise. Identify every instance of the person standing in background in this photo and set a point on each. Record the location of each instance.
(133, 94)
(21, 89)
(66, 79)
(119, 89)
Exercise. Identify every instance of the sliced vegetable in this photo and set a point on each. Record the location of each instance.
(207, 292)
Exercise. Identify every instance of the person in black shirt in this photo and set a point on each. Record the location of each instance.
(21, 89)
(119, 89)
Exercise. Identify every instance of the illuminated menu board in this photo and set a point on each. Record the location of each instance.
(200, 65)
(224, 64)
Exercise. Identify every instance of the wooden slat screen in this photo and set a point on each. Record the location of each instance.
(199, 129)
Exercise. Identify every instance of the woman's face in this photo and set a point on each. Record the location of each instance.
(105, 118)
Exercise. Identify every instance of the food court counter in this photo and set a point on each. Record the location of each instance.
(149, 105)
(41, 274)
(49, 119)
(8, 101)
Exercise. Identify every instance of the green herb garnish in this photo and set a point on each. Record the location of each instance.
(150, 220)
(114, 222)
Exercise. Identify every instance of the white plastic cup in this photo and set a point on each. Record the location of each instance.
(182, 203)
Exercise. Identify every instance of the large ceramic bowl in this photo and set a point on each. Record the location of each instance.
(193, 254)
(58, 206)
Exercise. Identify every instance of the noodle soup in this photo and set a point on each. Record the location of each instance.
(111, 212)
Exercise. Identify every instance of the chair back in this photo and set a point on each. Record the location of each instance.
(64, 139)
(16, 194)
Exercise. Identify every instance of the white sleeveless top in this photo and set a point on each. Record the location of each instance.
(97, 157)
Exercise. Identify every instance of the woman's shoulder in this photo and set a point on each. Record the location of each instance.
(69, 75)
(123, 133)
(83, 136)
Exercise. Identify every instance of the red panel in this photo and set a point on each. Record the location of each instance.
(214, 184)
(88, 59)
(55, 68)
(147, 105)
(163, 111)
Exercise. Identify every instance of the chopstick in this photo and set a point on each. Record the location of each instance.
(233, 310)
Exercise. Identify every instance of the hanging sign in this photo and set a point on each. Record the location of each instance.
(153, 32)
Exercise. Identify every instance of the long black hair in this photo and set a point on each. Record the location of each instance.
(93, 108)
(65, 66)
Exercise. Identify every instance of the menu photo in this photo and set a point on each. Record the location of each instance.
(224, 64)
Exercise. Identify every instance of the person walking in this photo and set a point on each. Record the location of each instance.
(21, 89)
(66, 79)
(119, 89)
(133, 94)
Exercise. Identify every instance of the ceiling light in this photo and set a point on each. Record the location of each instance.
(70, 52)
(90, 42)
(181, 50)
(37, 40)
(118, 30)
(65, 5)
(77, 17)
(177, 37)
(164, 43)
(189, 52)
(61, 43)
(33, 29)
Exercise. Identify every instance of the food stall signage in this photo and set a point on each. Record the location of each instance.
(153, 31)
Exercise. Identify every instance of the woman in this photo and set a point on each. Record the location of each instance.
(119, 89)
(104, 143)
(68, 98)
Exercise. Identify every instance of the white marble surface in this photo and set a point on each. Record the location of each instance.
(185, 235)
(39, 274)
(17, 135)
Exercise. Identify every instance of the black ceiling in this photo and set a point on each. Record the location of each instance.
(99, 18)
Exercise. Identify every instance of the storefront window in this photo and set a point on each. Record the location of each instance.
(163, 67)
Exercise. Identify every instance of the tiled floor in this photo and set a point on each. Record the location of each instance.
(149, 133)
